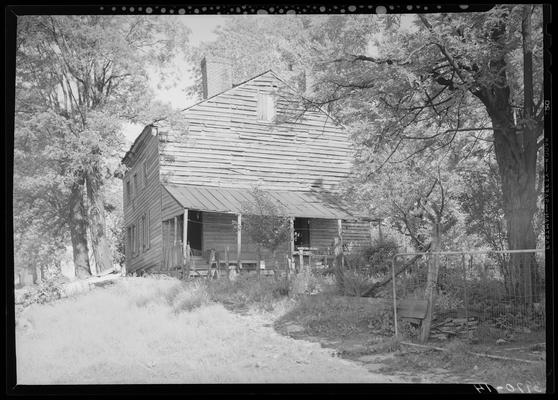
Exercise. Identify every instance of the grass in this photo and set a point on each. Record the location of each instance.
(146, 330)
(465, 367)
(142, 330)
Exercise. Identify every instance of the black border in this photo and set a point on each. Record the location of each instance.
(232, 7)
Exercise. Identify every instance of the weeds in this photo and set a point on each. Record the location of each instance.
(42, 293)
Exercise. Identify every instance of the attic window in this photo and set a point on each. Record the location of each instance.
(266, 107)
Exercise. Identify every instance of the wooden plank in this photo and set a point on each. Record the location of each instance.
(413, 309)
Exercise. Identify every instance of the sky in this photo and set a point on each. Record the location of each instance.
(202, 29)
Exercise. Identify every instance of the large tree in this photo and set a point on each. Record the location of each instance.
(77, 79)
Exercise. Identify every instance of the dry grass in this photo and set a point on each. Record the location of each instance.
(163, 331)
(466, 367)
(332, 316)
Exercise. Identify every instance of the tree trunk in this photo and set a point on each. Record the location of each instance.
(431, 282)
(515, 147)
(78, 231)
(97, 226)
(517, 167)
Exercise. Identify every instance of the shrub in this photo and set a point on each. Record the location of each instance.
(355, 283)
(375, 258)
(44, 292)
(304, 282)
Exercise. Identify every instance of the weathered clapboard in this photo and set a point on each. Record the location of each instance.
(413, 310)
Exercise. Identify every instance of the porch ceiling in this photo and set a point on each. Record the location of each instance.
(230, 200)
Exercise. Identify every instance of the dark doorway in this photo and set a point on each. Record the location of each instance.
(302, 232)
(195, 229)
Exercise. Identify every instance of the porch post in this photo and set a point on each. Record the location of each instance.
(238, 240)
(340, 234)
(185, 236)
(292, 240)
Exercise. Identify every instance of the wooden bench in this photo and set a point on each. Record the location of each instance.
(412, 310)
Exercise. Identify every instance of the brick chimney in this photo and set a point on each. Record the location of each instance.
(216, 75)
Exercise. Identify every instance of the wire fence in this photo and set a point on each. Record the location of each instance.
(479, 296)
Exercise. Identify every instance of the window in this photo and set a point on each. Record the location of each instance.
(141, 234)
(135, 185)
(266, 107)
(144, 232)
(131, 250)
(128, 192)
(302, 232)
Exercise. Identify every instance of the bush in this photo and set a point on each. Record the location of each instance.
(44, 292)
(375, 258)
(304, 282)
(355, 283)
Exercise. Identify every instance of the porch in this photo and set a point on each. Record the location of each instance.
(201, 228)
(210, 240)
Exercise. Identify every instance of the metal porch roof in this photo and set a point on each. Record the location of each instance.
(229, 200)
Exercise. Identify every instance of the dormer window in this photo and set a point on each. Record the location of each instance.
(266, 107)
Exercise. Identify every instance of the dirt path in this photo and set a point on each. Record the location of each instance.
(72, 342)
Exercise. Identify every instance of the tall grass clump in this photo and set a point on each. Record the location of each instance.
(248, 291)
(179, 296)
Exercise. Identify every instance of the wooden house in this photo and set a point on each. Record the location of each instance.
(188, 186)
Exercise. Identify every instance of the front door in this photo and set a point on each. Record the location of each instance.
(195, 230)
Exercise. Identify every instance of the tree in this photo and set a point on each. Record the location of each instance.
(263, 222)
(78, 78)
(458, 74)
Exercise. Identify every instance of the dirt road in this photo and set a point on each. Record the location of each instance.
(108, 336)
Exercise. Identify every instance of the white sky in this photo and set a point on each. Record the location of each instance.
(202, 27)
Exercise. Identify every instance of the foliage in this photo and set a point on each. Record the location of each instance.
(45, 292)
(77, 79)
(262, 220)
(375, 258)
(306, 282)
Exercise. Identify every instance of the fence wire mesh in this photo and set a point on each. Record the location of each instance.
(477, 297)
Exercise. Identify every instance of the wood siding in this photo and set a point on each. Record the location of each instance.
(357, 232)
(226, 145)
(145, 201)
